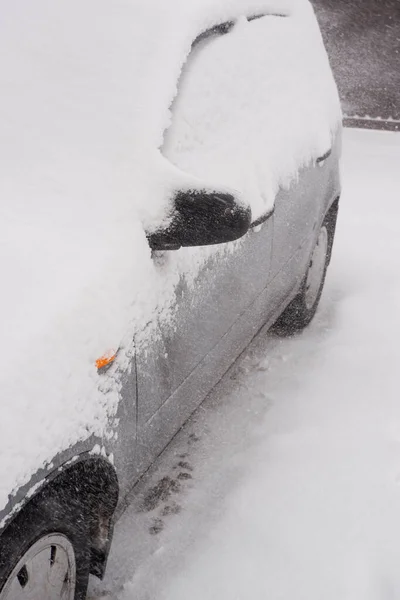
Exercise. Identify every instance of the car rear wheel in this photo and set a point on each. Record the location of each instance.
(45, 553)
(299, 313)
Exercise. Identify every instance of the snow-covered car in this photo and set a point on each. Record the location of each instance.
(169, 186)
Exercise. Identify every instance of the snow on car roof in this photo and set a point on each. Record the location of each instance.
(85, 95)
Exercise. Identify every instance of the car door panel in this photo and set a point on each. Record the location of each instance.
(204, 311)
(245, 319)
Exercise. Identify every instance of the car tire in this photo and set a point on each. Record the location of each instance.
(301, 310)
(50, 533)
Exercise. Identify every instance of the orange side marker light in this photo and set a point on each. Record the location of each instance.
(105, 360)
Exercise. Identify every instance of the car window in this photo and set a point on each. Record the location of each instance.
(215, 31)
(256, 16)
(207, 128)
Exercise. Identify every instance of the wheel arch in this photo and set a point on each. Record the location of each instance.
(91, 482)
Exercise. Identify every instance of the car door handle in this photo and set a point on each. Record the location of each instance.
(321, 159)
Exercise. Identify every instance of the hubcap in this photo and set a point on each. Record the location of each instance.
(47, 571)
(316, 269)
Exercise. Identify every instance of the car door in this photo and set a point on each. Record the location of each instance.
(209, 323)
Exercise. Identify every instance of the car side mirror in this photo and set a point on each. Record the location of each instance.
(202, 218)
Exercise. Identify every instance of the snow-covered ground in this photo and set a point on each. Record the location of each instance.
(286, 483)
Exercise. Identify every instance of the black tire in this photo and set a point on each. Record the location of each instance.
(299, 313)
(47, 514)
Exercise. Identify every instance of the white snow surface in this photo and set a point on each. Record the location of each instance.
(85, 94)
(295, 489)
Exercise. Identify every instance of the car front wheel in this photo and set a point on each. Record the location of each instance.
(45, 553)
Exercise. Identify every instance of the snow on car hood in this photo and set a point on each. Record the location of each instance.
(85, 95)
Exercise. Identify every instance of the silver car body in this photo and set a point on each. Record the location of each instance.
(240, 289)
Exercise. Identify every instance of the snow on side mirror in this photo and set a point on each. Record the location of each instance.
(202, 218)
